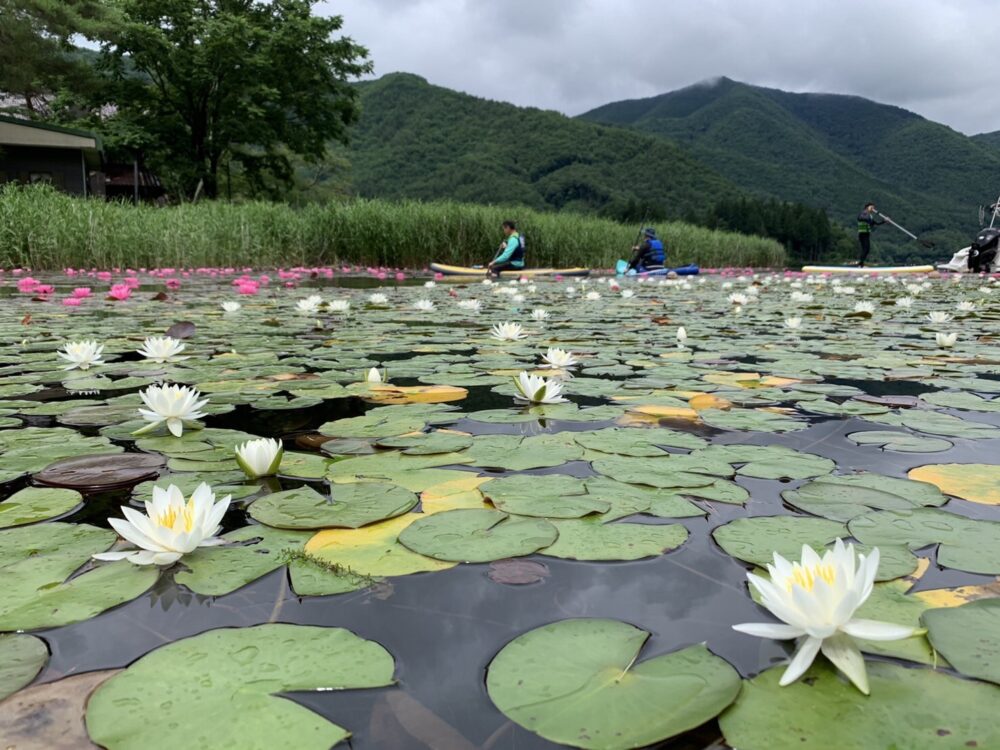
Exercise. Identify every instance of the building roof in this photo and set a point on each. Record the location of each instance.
(16, 131)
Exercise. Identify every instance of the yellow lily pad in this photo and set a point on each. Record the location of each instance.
(414, 394)
(977, 483)
(707, 401)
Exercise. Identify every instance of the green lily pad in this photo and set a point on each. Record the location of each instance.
(36, 563)
(936, 423)
(637, 442)
(968, 637)
(900, 441)
(424, 443)
(216, 571)
(515, 453)
(549, 496)
(841, 498)
(222, 688)
(771, 461)
(350, 506)
(630, 499)
(34, 504)
(755, 540)
(21, 659)
(964, 543)
(579, 683)
(752, 420)
(591, 539)
(477, 535)
(666, 472)
(907, 708)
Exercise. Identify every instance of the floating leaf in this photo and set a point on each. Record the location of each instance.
(900, 441)
(515, 453)
(550, 496)
(907, 708)
(37, 504)
(221, 688)
(477, 535)
(771, 461)
(841, 498)
(977, 483)
(968, 637)
(21, 659)
(100, 473)
(579, 683)
(350, 506)
(754, 420)
(517, 572)
(635, 442)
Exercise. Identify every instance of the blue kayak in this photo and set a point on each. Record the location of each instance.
(688, 270)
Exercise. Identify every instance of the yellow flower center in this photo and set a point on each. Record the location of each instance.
(169, 516)
(806, 577)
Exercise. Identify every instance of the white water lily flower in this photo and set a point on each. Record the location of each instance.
(628, 293)
(727, 285)
(817, 598)
(473, 305)
(570, 291)
(538, 390)
(946, 340)
(738, 298)
(517, 298)
(914, 289)
(965, 306)
(936, 316)
(424, 305)
(682, 335)
(539, 314)
(430, 284)
(559, 358)
(864, 307)
(170, 404)
(162, 349)
(374, 375)
(171, 527)
(231, 307)
(377, 299)
(593, 296)
(904, 302)
(339, 305)
(81, 355)
(309, 305)
(793, 323)
(507, 331)
(260, 458)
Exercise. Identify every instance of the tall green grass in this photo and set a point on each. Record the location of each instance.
(43, 229)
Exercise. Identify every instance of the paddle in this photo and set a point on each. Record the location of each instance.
(904, 230)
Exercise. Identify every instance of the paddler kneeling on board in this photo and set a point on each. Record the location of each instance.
(648, 255)
(510, 255)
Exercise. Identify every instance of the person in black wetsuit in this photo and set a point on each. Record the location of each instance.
(649, 255)
(867, 220)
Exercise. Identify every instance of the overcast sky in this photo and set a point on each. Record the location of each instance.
(935, 57)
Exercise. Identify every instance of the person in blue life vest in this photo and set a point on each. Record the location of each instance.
(648, 255)
(510, 255)
(867, 220)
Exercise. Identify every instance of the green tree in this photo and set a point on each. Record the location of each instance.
(37, 58)
(222, 82)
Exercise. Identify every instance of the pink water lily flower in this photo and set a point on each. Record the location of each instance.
(120, 292)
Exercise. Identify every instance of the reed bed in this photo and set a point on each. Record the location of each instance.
(41, 228)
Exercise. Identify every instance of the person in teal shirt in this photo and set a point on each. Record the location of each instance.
(510, 256)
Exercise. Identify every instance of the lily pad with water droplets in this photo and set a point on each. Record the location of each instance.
(841, 498)
(907, 708)
(21, 659)
(548, 496)
(969, 637)
(902, 442)
(581, 683)
(592, 539)
(476, 535)
(349, 506)
(223, 688)
(34, 504)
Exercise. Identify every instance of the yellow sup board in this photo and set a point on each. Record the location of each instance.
(867, 269)
(469, 271)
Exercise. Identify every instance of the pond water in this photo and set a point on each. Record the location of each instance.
(768, 400)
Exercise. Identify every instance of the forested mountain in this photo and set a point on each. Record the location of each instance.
(830, 151)
(421, 141)
(988, 139)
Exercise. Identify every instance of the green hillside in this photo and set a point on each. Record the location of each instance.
(988, 139)
(829, 151)
(415, 140)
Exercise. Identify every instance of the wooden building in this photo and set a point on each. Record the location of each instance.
(67, 158)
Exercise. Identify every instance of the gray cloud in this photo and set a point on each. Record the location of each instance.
(933, 57)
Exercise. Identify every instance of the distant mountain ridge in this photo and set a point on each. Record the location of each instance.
(416, 140)
(827, 150)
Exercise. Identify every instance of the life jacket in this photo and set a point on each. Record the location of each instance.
(655, 255)
(518, 255)
(865, 222)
